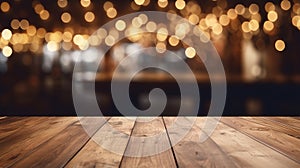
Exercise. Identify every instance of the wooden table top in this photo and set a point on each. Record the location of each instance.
(236, 142)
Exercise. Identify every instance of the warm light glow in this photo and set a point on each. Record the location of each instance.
(194, 19)
(272, 16)
(114, 33)
(67, 36)
(180, 4)
(253, 9)
(5, 7)
(94, 40)
(120, 25)
(279, 45)
(78, 39)
(31, 30)
(245, 27)
(173, 41)
(268, 26)
(62, 3)
(137, 22)
(285, 5)
(151, 26)
(162, 3)
(269, 6)
(224, 20)
(190, 52)
(101, 33)
(253, 25)
(134, 6)
(210, 19)
(7, 51)
(296, 21)
(162, 34)
(107, 5)
(85, 3)
(24, 24)
(111, 12)
(15, 24)
(109, 40)
(144, 18)
(41, 32)
(296, 8)
(44, 14)
(232, 14)
(146, 3)
(161, 47)
(139, 2)
(66, 17)
(67, 46)
(38, 8)
(6, 34)
(239, 9)
(217, 29)
(52, 46)
(89, 16)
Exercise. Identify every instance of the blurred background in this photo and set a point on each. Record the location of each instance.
(258, 42)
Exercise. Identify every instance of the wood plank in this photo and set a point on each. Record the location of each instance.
(190, 152)
(143, 143)
(282, 142)
(288, 121)
(278, 127)
(244, 151)
(58, 150)
(94, 155)
(29, 136)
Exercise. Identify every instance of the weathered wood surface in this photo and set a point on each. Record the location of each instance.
(62, 142)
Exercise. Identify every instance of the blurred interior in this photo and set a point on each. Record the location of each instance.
(41, 41)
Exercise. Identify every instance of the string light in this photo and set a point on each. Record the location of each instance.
(162, 3)
(62, 3)
(7, 51)
(85, 3)
(15, 24)
(89, 16)
(151, 26)
(161, 47)
(173, 40)
(44, 15)
(139, 2)
(66, 17)
(285, 5)
(24, 24)
(5, 6)
(239, 18)
(180, 4)
(279, 45)
(107, 5)
(190, 52)
(272, 16)
(120, 25)
(111, 12)
(6, 34)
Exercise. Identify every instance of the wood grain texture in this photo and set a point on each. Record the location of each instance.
(146, 143)
(63, 142)
(278, 127)
(24, 137)
(95, 155)
(58, 150)
(288, 121)
(246, 152)
(190, 152)
(280, 141)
